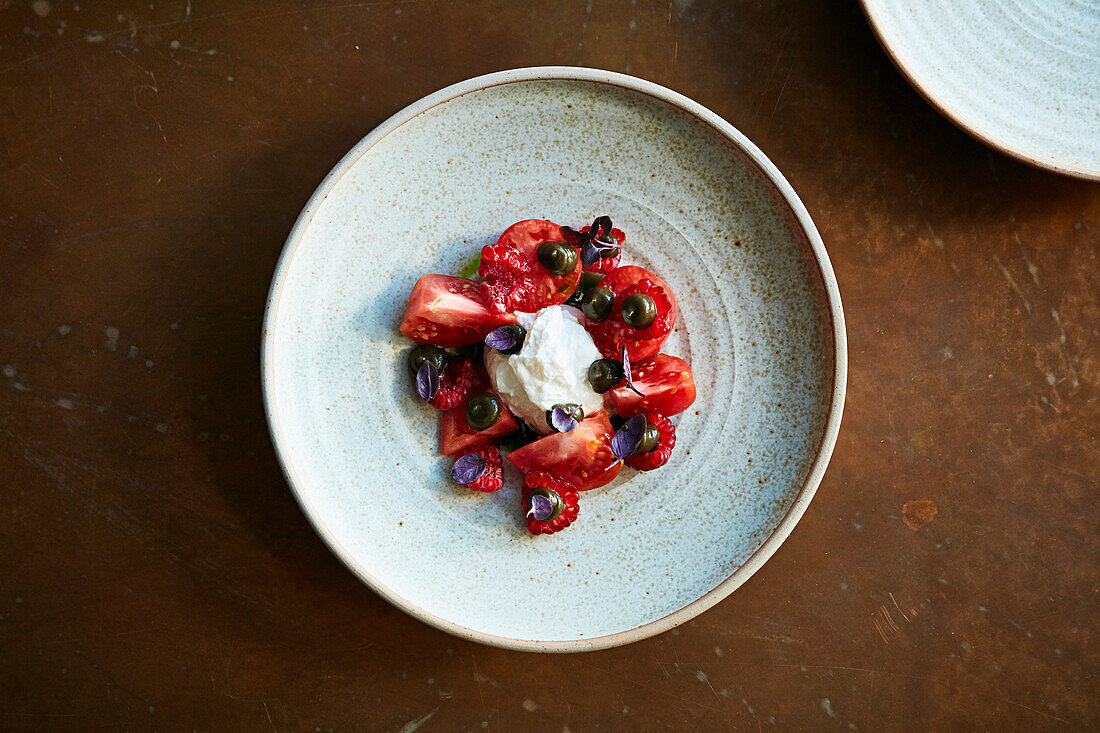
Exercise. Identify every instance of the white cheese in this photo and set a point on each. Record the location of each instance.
(550, 369)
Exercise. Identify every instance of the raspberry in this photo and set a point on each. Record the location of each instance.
(493, 478)
(558, 493)
(660, 454)
(455, 384)
(507, 277)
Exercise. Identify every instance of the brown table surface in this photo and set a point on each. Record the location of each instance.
(155, 570)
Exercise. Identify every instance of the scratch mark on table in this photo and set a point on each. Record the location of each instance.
(1034, 710)
(882, 633)
(940, 245)
(1012, 281)
(784, 87)
(1062, 345)
(478, 678)
(912, 267)
(269, 717)
(702, 677)
(895, 600)
(1031, 268)
(871, 689)
(771, 74)
(651, 688)
(413, 725)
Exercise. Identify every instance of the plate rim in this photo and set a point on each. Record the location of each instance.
(952, 115)
(832, 295)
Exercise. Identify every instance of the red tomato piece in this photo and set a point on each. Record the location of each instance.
(448, 311)
(611, 335)
(667, 383)
(514, 278)
(582, 456)
(456, 435)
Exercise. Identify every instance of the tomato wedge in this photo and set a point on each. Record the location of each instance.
(582, 456)
(611, 335)
(456, 435)
(667, 383)
(514, 278)
(448, 311)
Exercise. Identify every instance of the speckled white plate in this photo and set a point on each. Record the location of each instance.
(760, 322)
(1022, 76)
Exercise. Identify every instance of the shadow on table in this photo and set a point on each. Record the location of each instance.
(297, 577)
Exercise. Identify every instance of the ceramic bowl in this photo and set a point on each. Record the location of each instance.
(1021, 76)
(760, 322)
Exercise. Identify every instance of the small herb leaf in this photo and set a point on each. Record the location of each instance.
(626, 373)
(572, 237)
(628, 437)
(601, 227)
(468, 468)
(562, 419)
(590, 252)
(502, 339)
(471, 267)
(541, 507)
(427, 380)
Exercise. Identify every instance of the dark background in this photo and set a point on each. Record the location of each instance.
(155, 571)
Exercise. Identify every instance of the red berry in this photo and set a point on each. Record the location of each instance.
(455, 384)
(493, 478)
(507, 277)
(563, 498)
(659, 455)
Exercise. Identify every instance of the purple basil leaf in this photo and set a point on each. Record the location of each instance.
(468, 468)
(626, 374)
(501, 339)
(572, 237)
(629, 437)
(601, 227)
(562, 420)
(590, 253)
(541, 507)
(427, 380)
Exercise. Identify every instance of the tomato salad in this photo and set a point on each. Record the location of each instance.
(490, 358)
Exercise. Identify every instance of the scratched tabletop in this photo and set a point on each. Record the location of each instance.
(155, 570)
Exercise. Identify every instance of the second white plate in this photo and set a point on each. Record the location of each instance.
(1022, 76)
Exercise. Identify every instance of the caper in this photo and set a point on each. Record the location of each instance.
(596, 304)
(426, 352)
(603, 374)
(650, 438)
(557, 257)
(557, 506)
(639, 310)
(589, 279)
(574, 410)
(482, 411)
